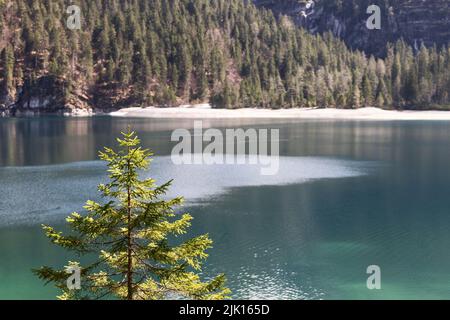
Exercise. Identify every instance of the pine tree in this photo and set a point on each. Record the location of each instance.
(8, 70)
(411, 87)
(356, 97)
(130, 234)
(367, 91)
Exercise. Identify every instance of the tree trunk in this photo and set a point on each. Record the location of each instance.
(129, 251)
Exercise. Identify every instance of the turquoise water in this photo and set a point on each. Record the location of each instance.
(348, 195)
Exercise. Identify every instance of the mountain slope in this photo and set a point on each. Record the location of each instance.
(416, 21)
(167, 53)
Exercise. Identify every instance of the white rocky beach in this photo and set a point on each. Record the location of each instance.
(204, 111)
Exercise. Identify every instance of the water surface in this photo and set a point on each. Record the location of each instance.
(348, 195)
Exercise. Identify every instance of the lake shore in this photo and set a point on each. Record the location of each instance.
(204, 111)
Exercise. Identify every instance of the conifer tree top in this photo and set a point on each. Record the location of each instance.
(132, 234)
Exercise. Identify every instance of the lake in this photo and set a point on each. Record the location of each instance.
(349, 194)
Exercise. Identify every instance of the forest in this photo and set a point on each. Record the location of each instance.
(229, 53)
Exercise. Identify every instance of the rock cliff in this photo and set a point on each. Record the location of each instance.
(415, 21)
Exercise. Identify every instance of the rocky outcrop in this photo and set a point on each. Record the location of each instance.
(416, 21)
(46, 95)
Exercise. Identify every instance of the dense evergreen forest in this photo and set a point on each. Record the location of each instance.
(226, 52)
